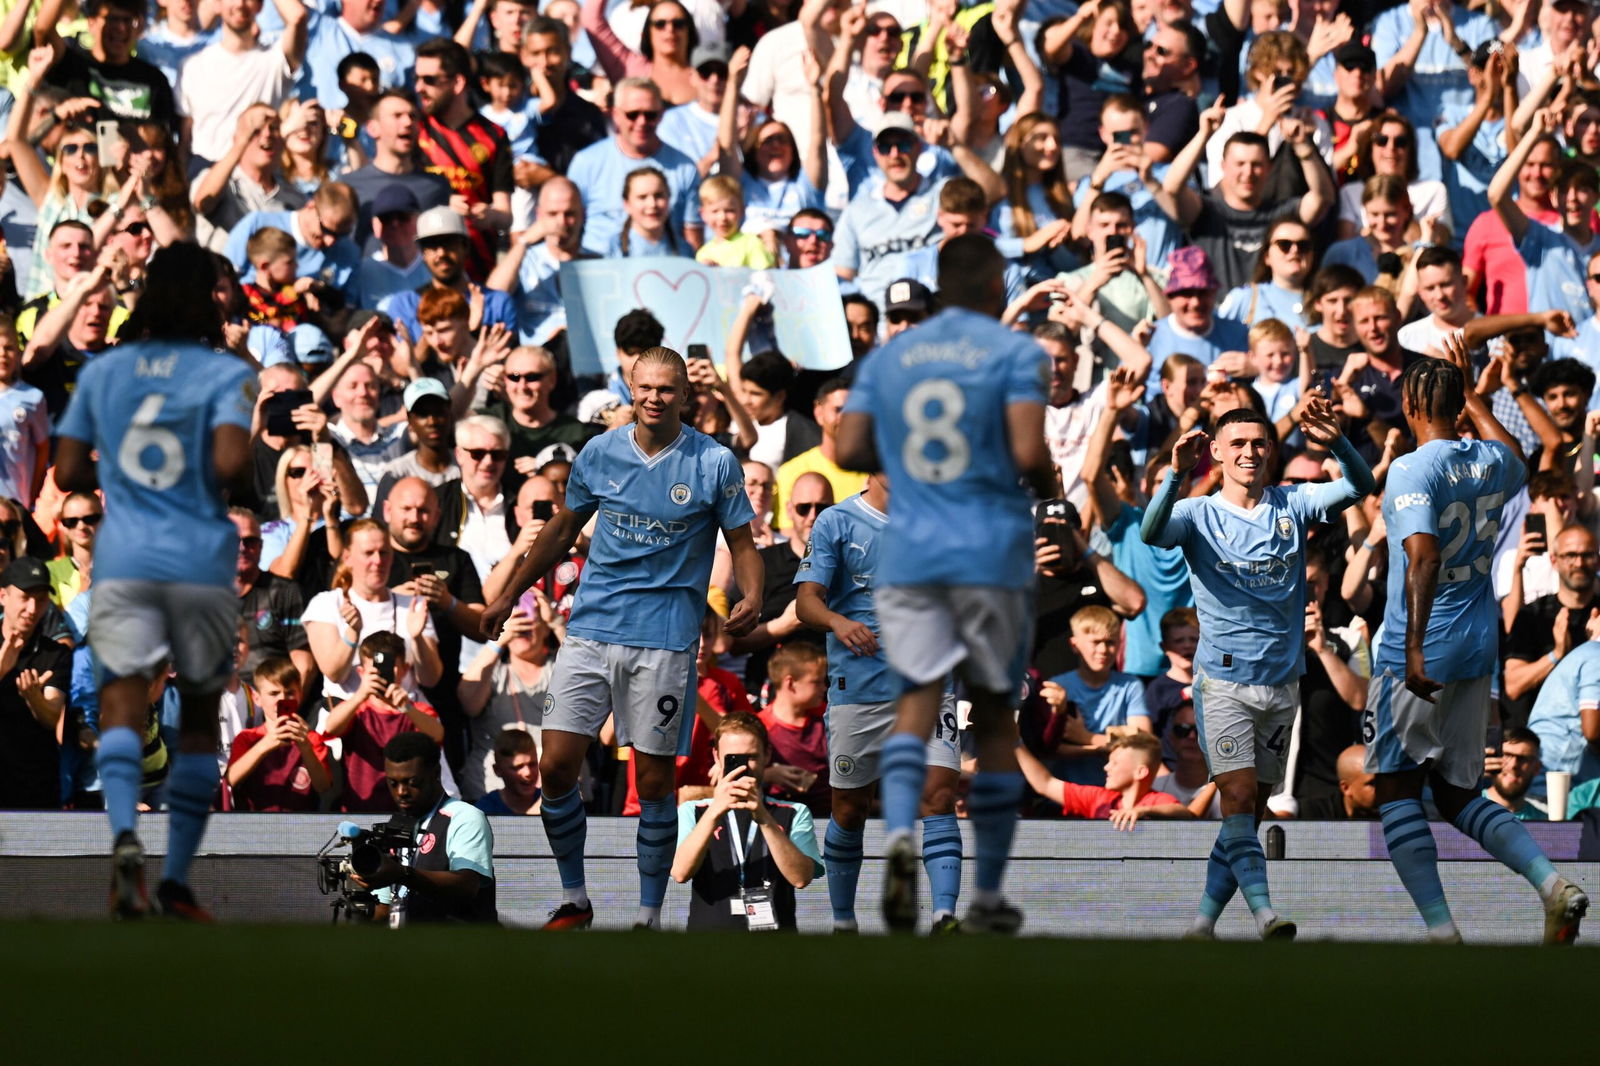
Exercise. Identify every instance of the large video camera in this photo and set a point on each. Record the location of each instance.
(367, 850)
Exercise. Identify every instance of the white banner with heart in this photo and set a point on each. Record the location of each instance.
(695, 305)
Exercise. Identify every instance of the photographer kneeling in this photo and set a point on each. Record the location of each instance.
(745, 852)
(449, 875)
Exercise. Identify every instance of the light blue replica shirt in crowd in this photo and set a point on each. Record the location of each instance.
(1567, 691)
(1248, 571)
(1438, 76)
(650, 560)
(540, 312)
(600, 171)
(24, 432)
(1556, 271)
(769, 205)
(842, 557)
(336, 265)
(874, 234)
(1452, 490)
(1225, 335)
(1115, 702)
(1164, 576)
(689, 128)
(150, 408)
(938, 395)
(1259, 301)
(330, 38)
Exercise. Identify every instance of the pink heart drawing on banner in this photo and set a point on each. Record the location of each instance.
(657, 293)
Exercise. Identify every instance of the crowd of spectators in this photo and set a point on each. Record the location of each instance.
(1205, 205)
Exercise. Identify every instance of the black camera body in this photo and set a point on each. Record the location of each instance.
(367, 850)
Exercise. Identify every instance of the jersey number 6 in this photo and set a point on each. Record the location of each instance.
(143, 435)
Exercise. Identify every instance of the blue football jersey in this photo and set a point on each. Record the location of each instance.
(1452, 490)
(938, 394)
(644, 585)
(150, 409)
(843, 558)
(1248, 572)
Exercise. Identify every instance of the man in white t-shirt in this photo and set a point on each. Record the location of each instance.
(218, 82)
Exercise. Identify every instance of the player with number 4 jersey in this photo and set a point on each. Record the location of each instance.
(659, 492)
(170, 416)
(1428, 702)
(953, 411)
(1246, 552)
(834, 592)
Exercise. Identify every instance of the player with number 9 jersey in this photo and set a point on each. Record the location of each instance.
(1453, 490)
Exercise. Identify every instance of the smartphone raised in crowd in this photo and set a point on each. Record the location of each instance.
(384, 664)
(1122, 137)
(1535, 524)
(730, 763)
(544, 510)
(278, 411)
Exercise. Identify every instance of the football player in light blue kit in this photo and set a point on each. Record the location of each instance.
(170, 417)
(1434, 656)
(661, 491)
(1246, 552)
(953, 411)
(833, 592)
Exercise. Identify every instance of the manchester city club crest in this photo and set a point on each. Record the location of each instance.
(1227, 746)
(549, 702)
(1285, 526)
(679, 494)
(845, 765)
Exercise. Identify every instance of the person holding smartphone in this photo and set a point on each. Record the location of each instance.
(745, 854)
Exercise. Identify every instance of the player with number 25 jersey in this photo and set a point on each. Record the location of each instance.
(1453, 490)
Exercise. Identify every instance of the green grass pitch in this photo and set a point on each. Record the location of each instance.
(111, 994)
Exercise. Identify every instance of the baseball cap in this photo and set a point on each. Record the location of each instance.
(896, 122)
(26, 573)
(595, 404)
(311, 345)
(394, 200)
(421, 389)
(1190, 268)
(907, 294)
(1355, 54)
(708, 54)
(440, 222)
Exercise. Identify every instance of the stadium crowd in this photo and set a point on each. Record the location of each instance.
(1204, 206)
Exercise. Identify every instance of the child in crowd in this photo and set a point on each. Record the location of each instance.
(516, 761)
(1272, 360)
(374, 714)
(504, 81)
(1180, 635)
(277, 297)
(283, 765)
(722, 209)
(799, 676)
(648, 230)
(1108, 701)
(1129, 790)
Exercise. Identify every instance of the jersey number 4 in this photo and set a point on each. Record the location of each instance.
(942, 430)
(1474, 524)
(142, 436)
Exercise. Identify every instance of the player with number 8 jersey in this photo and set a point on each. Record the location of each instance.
(659, 491)
(170, 416)
(953, 411)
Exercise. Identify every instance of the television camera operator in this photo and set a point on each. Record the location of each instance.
(449, 875)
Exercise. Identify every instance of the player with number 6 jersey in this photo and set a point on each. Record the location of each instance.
(170, 417)
(659, 492)
(953, 411)
(1245, 547)
(834, 592)
(1428, 702)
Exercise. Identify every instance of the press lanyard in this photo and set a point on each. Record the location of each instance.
(741, 848)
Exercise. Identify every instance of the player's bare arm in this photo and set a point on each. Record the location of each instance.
(1422, 581)
(552, 546)
(750, 573)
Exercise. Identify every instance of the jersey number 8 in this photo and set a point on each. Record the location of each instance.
(142, 435)
(941, 429)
